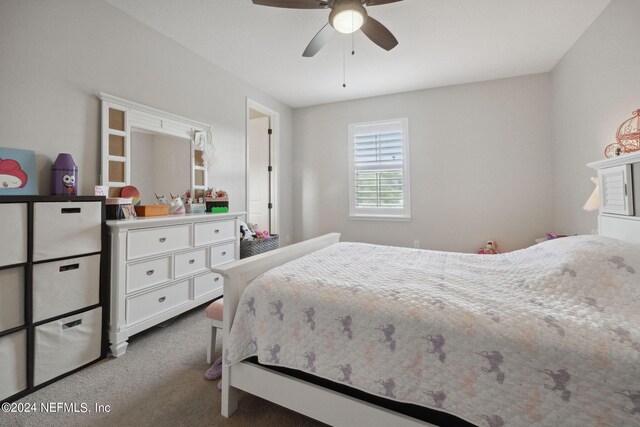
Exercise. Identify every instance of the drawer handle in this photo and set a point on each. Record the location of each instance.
(162, 299)
(191, 261)
(70, 210)
(216, 279)
(224, 253)
(150, 272)
(162, 239)
(72, 324)
(64, 268)
(216, 231)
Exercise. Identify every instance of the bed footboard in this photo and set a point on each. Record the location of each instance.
(237, 276)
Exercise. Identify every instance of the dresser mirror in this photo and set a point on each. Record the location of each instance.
(155, 151)
(159, 165)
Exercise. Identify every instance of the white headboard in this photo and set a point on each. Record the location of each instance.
(618, 227)
(619, 187)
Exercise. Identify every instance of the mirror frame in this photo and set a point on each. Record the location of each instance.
(121, 116)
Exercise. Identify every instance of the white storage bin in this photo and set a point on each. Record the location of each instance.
(191, 262)
(64, 229)
(206, 284)
(63, 286)
(66, 344)
(13, 364)
(159, 240)
(223, 253)
(11, 298)
(214, 231)
(144, 274)
(145, 306)
(13, 229)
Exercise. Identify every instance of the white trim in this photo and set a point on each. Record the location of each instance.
(616, 161)
(360, 217)
(381, 213)
(274, 117)
(153, 111)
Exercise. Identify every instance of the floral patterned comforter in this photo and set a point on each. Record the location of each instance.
(548, 335)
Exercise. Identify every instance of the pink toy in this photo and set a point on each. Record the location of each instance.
(262, 234)
(490, 248)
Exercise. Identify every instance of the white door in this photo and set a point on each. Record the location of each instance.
(258, 173)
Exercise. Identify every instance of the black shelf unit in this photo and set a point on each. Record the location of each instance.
(29, 325)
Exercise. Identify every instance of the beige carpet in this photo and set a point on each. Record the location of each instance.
(158, 382)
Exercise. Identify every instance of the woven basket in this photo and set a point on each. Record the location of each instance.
(254, 247)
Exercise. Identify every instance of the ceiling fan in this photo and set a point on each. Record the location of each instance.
(347, 16)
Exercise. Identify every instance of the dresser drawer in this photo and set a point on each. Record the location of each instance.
(63, 286)
(13, 229)
(215, 231)
(13, 364)
(206, 284)
(191, 262)
(148, 273)
(66, 229)
(159, 240)
(11, 298)
(148, 305)
(223, 253)
(66, 344)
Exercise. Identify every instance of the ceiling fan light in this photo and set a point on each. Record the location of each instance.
(347, 21)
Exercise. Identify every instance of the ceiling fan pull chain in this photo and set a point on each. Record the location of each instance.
(353, 44)
(344, 68)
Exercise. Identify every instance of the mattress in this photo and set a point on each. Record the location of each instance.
(543, 336)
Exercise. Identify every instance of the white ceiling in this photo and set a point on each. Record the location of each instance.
(442, 42)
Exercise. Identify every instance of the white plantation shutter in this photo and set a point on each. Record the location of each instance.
(379, 178)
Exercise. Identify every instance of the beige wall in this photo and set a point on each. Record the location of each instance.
(480, 165)
(595, 87)
(57, 55)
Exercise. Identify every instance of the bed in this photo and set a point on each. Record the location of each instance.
(546, 336)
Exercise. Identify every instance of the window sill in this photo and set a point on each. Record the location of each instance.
(380, 217)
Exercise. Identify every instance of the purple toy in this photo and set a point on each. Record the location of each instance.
(64, 176)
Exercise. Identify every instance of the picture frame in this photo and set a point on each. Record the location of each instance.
(129, 211)
(18, 174)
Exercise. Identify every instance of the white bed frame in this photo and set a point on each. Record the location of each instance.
(314, 401)
(317, 402)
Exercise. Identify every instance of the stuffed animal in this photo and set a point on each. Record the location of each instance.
(176, 206)
(245, 232)
(490, 248)
(262, 234)
(161, 200)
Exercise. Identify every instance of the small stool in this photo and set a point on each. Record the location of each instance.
(214, 312)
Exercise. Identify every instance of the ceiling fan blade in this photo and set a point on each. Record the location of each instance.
(379, 34)
(293, 4)
(379, 2)
(318, 41)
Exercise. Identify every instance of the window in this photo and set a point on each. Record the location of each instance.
(379, 170)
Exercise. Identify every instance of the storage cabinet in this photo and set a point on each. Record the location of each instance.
(52, 288)
(160, 267)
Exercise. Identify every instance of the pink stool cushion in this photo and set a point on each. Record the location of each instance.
(214, 311)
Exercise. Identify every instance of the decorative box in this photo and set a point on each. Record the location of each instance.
(195, 207)
(217, 204)
(152, 210)
(114, 207)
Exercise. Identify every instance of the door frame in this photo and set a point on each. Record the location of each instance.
(274, 119)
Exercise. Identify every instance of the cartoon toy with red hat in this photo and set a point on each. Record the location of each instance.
(11, 174)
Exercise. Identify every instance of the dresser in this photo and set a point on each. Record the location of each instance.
(619, 189)
(52, 289)
(160, 267)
